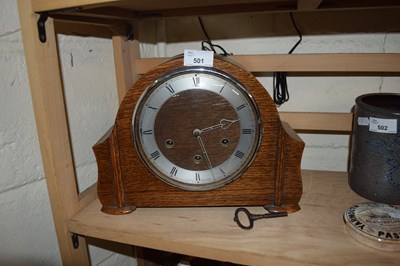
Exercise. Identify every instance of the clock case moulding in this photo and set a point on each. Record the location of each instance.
(272, 180)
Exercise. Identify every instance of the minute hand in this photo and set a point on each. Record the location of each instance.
(223, 123)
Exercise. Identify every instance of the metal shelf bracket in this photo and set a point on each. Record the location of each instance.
(41, 24)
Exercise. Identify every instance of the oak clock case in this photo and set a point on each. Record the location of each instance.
(198, 136)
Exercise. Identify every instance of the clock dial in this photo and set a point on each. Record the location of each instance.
(196, 128)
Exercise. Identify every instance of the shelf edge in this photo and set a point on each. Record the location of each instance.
(338, 63)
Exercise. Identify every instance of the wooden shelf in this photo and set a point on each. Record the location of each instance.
(192, 7)
(338, 63)
(319, 122)
(313, 235)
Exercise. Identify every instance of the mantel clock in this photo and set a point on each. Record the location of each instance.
(198, 136)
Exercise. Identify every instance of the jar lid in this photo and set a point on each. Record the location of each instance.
(374, 224)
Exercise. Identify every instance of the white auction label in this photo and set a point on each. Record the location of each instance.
(198, 58)
(363, 121)
(381, 125)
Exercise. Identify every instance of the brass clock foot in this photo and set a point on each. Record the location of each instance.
(283, 208)
(118, 210)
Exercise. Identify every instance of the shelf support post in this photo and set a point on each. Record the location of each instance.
(126, 51)
(51, 121)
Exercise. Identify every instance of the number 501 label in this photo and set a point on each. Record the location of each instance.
(381, 125)
(198, 58)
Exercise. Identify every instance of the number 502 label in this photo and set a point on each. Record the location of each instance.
(381, 125)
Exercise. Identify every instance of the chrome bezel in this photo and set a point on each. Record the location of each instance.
(160, 174)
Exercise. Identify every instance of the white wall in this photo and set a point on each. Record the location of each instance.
(26, 226)
(307, 93)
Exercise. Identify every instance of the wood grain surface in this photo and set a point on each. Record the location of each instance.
(315, 235)
(273, 178)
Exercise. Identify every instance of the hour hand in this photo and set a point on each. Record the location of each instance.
(223, 123)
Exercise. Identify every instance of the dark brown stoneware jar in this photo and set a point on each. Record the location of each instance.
(375, 155)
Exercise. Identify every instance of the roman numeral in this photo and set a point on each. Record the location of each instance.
(169, 88)
(151, 107)
(246, 131)
(239, 154)
(222, 88)
(174, 171)
(240, 107)
(155, 155)
(147, 132)
(196, 81)
(222, 171)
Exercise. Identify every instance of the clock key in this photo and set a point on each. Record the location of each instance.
(253, 217)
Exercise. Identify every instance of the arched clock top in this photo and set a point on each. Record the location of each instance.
(198, 136)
